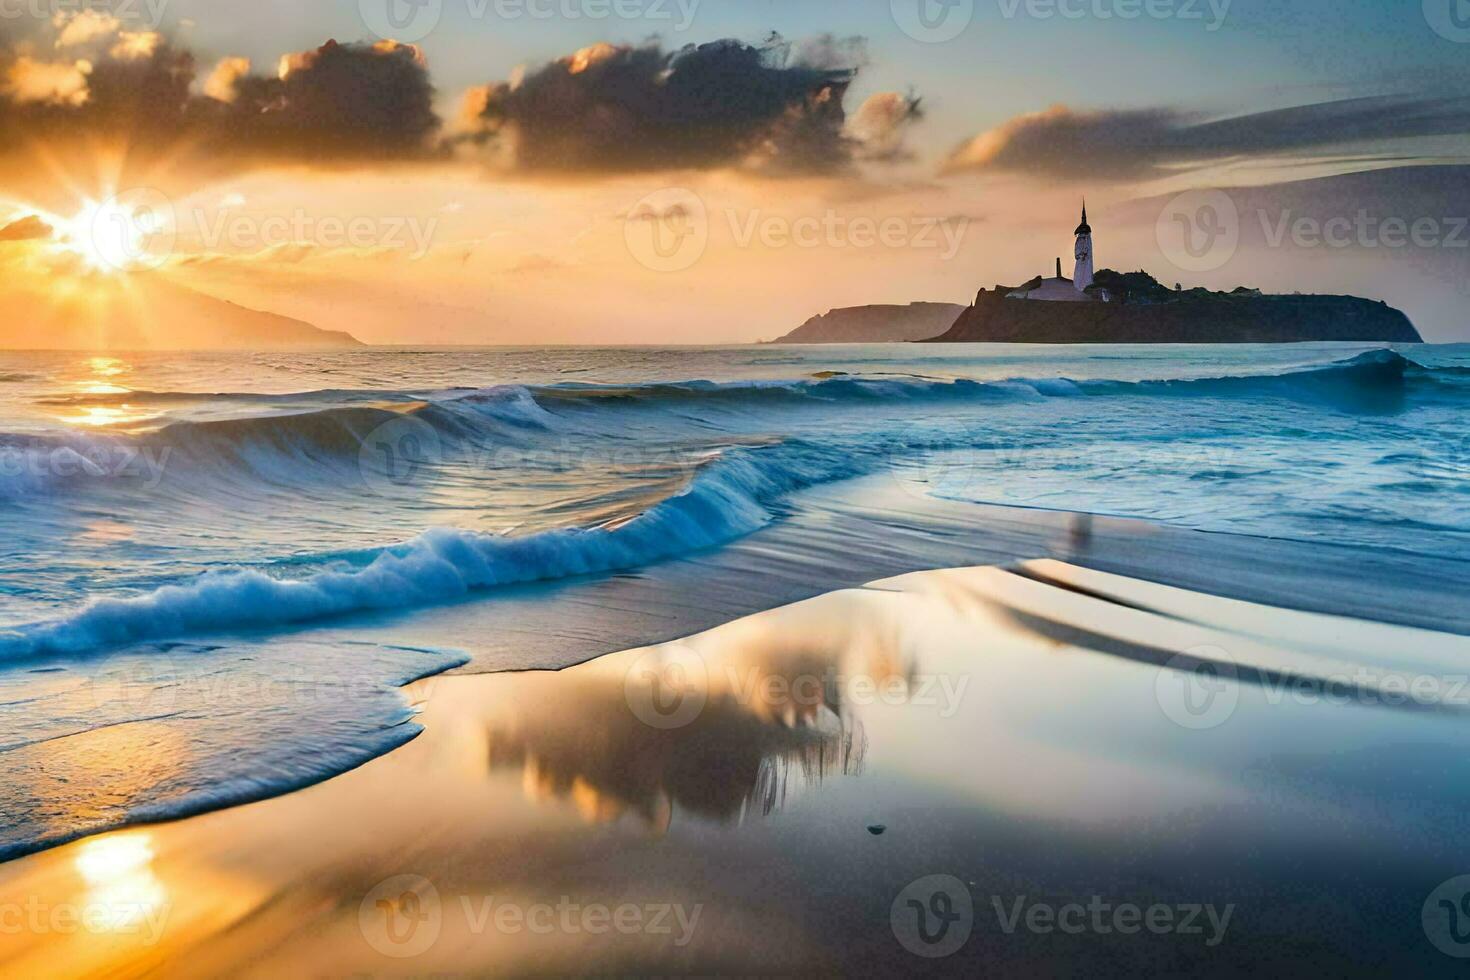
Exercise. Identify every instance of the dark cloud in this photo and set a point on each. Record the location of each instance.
(773, 107)
(336, 103)
(27, 229)
(353, 101)
(777, 107)
(1144, 143)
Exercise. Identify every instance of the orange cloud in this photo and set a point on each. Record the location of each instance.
(222, 82)
(49, 82)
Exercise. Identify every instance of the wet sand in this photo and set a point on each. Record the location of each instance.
(1039, 770)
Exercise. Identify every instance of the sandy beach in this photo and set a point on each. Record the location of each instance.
(1036, 769)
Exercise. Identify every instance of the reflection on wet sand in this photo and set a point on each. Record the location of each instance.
(593, 751)
(1000, 726)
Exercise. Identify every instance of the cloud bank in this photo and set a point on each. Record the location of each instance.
(338, 102)
(1139, 144)
(774, 108)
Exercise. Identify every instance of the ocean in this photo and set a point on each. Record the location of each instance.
(211, 557)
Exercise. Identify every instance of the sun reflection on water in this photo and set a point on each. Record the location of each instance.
(121, 883)
(96, 378)
(108, 367)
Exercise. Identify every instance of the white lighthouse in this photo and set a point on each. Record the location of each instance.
(1082, 276)
(1060, 289)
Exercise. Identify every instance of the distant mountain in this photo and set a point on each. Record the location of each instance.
(1145, 312)
(876, 324)
(145, 311)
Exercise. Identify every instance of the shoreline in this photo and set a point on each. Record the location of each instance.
(277, 678)
(1008, 730)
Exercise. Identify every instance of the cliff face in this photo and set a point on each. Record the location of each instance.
(876, 324)
(1195, 318)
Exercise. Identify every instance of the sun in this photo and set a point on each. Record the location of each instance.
(114, 235)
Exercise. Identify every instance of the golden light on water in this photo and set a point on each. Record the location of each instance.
(97, 377)
(121, 883)
(101, 416)
(103, 860)
(108, 367)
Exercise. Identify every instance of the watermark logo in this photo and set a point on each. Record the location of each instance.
(401, 916)
(832, 230)
(140, 228)
(933, 21)
(933, 917)
(667, 686)
(135, 687)
(1363, 230)
(395, 456)
(1446, 917)
(413, 20)
(143, 465)
(1450, 19)
(133, 229)
(1199, 231)
(1211, 13)
(401, 20)
(1197, 689)
(133, 13)
(1444, 456)
(407, 234)
(1103, 917)
(668, 230)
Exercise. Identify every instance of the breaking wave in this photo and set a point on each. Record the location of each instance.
(727, 499)
(733, 491)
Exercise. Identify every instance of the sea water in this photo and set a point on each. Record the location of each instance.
(171, 520)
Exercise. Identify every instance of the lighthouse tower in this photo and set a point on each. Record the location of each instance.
(1082, 276)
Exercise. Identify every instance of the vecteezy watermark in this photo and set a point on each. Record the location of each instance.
(933, 21)
(413, 20)
(668, 687)
(1199, 230)
(933, 916)
(140, 228)
(401, 916)
(1443, 456)
(142, 13)
(1446, 917)
(1363, 230)
(986, 462)
(406, 453)
(832, 229)
(1368, 686)
(128, 688)
(1211, 13)
(143, 465)
(1450, 19)
(404, 915)
(100, 917)
(1197, 688)
(407, 233)
(1101, 917)
(669, 230)
(396, 455)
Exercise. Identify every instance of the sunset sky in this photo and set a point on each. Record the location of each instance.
(568, 171)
